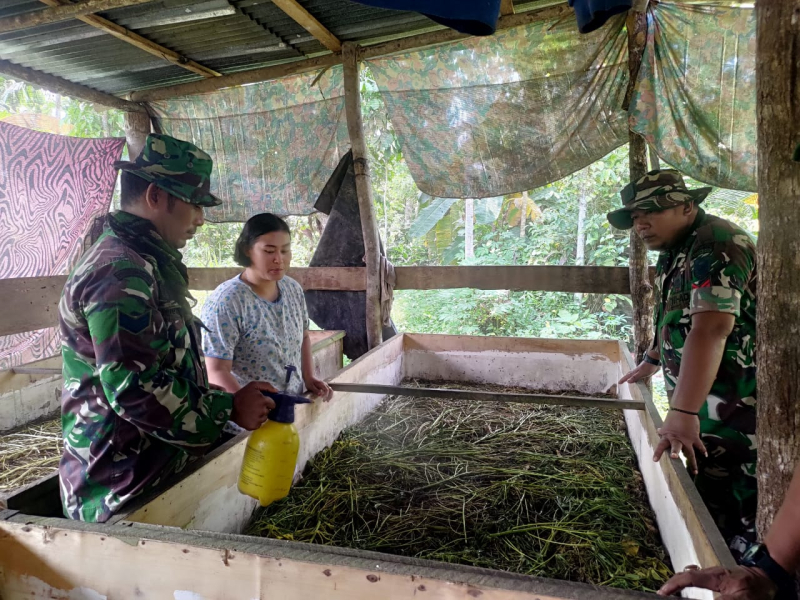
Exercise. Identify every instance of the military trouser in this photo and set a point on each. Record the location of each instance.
(727, 483)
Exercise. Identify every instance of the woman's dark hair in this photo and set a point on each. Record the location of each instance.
(255, 227)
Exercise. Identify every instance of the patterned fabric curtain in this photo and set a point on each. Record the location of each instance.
(274, 144)
(51, 189)
(526, 107)
(695, 99)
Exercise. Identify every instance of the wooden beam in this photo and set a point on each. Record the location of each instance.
(311, 278)
(584, 280)
(478, 396)
(308, 22)
(63, 12)
(507, 7)
(57, 85)
(778, 316)
(321, 62)
(134, 39)
(31, 303)
(366, 206)
(641, 287)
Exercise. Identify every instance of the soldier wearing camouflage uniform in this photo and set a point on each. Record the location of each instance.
(136, 402)
(706, 283)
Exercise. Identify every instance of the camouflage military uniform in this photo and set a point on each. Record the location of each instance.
(714, 269)
(136, 402)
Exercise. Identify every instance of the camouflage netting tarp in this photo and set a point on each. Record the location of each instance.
(274, 144)
(488, 116)
(526, 107)
(695, 99)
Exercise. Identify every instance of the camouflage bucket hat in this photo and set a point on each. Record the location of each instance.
(177, 167)
(656, 191)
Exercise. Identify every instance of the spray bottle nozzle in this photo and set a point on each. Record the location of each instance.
(290, 369)
(284, 406)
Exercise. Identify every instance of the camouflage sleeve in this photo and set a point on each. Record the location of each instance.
(143, 363)
(720, 272)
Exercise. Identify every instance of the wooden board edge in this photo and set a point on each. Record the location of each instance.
(694, 511)
(207, 565)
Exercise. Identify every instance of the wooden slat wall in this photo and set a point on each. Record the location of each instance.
(31, 303)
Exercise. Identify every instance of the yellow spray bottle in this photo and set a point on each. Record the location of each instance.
(271, 453)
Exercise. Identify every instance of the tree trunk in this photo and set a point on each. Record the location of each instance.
(408, 212)
(641, 289)
(137, 126)
(778, 318)
(469, 228)
(580, 250)
(385, 209)
(58, 113)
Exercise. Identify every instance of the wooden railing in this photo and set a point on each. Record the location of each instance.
(31, 303)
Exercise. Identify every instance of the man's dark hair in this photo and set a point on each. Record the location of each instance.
(133, 189)
(254, 228)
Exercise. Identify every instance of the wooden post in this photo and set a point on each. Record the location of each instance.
(137, 126)
(778, 317)
(369, 225)
(641, 290)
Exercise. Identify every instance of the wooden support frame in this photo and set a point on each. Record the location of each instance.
(33, 301)
(308, 22)
(506, 7)
(57, 85)
(366, 206)
(186, 529)
(63, 12)
(134, 39)
(329, 60)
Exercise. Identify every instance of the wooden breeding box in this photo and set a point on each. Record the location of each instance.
(184, 543)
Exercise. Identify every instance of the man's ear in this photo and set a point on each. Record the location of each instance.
(688, 208)
(151, 196)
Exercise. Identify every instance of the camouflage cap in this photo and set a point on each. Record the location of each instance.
(656, 191)
(177, 167)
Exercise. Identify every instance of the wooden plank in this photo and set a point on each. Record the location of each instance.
(57, 85)
(589, 280)
(674, 497)
(321, 62)
(479, 396)
(32, 302)
(308, 22)
(507, 7)
(134, 39)
(366, 205)
(311, 278)
(63, 13)
(38, 560)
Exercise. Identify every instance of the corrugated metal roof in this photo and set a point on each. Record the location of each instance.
(224, 35)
